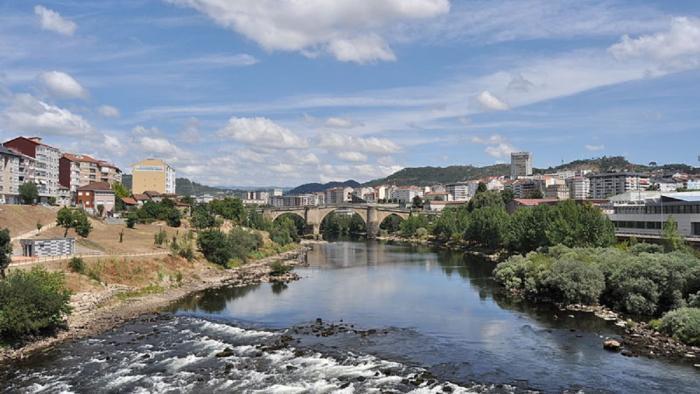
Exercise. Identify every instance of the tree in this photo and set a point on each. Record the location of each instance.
(229, 208)
(488, 226)
(201, 217)
(5, 251)
(672, 238)
(131, 219)
(486, 199)
(32, 301)
(507, 196)
(120, 191)
(28, 193)
(535, 194)
(76, 219)
(481, 188)
(417, 202)
(64, 218)
(173, 218)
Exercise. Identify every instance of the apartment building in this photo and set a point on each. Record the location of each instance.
(77, 170)
(301, 200)
(459, 191)
(406, 194)
(610, 184)
(520, 164)
(9, 175)
(579, 187)
(109, 173)
(557, 191)
(46, 163)
(338, 195)
(152, 175)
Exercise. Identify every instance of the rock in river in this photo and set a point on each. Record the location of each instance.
(612, 345)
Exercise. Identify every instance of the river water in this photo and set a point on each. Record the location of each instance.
(393, 319)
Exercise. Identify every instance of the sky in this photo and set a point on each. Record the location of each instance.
(283, 92)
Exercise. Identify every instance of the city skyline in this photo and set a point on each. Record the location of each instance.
(283, 102)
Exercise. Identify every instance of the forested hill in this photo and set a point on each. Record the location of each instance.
(319, 187)
(185, 187)
(425, 176)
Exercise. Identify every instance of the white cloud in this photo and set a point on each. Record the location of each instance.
(109, 111)
(352, 156)
(251, 155)
(283, 168)
(52, 20)
(141, 131)
(498, 146)
(490, 102)
(26, 113)
(594, 148)
(361, 144)
(159, 145)
(113, 145)
(339, 123)
(303, 158)
(261, 132)
(350, 30)
(62, 85)
(221, 60)
(682, 39)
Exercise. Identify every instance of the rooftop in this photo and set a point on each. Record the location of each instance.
(96, 186)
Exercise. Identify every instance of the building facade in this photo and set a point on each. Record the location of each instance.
(46, 163)
(458, 191)
(647, 217)
(9, 176)
(611, 184)
(95, 195)
(579, 187)
(520, 164)
(153, 175)
(47, 247)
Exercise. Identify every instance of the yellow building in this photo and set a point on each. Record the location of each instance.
(152, 175)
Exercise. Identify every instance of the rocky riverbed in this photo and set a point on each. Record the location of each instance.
(99, 311)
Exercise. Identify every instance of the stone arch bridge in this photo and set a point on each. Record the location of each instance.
(372, 215)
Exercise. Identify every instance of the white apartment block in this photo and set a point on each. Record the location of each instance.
(9, 175)
(46, 163)
(458, 191)
(406, 194)
(610, 184)
(579, 187)
(338, 195)
(520, 164)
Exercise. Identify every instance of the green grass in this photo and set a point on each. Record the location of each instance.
(144, 291)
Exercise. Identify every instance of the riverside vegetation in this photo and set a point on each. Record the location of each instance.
(567, 253)
(36, 302)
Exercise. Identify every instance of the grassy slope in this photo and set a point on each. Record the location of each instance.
(23, 218)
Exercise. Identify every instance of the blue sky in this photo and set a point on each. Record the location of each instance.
(285, 92)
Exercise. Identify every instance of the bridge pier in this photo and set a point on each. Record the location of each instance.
(372, 223)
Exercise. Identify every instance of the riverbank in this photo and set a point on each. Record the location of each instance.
(101, 309)
(494, 256)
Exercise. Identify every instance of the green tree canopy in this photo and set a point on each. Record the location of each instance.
(28, 193)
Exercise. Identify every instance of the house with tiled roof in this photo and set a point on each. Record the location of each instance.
(92, 196)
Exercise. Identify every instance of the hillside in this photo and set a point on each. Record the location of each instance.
(318, 187)
(20, 219)
(425, 176)
(186, 187)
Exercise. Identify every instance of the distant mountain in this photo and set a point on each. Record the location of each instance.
(426, 176)
(319, 187)
(186, 187)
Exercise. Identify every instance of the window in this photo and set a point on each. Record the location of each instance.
(695, 230)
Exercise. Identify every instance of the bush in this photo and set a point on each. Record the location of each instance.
(410, 226)
(5, 251)
(31, 302)
(77, 265)
(131, 219)
(682, 324)
(278, 268)
(159, 237)
(574, 282)
(219, 247)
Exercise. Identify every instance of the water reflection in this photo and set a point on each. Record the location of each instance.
(444, 310)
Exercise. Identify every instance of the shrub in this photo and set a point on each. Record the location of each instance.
(574, 282)
(410, 226)
(159, 237)
(682, 324)
(644, 247)
(32, 301)
(131, 219)
(278, 268)
(77, 265)
(5, 251)
(214, 246)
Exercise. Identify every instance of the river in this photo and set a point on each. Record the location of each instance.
(393, 319)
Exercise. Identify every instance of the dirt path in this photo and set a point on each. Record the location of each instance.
(96, 312)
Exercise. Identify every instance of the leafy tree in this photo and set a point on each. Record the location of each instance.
(481, 188)
(65, 219)
(488, 225)
(201, 217)
(284, 231)
(410, 226)
(507, 196)
(5, 251)
(391, 224)
(534, 194)
(489, 198)
(451, 223)
(173, 218)
(229, 208)
(682, 324)
(417, 202)
(120, 191)
(672, 238)
(214, 246)
(32, 301)
(82, 224)
(28, 192)
(131, 219)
